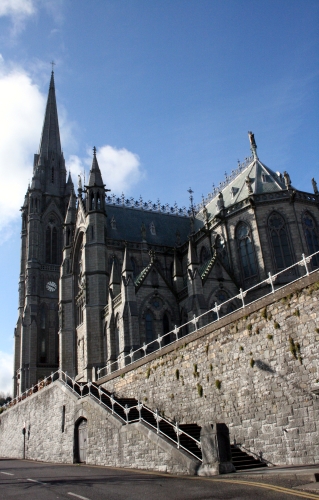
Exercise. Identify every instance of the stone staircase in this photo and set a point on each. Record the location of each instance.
(244, 461)
(241, 460)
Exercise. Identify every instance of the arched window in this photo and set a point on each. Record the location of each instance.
(311, 235)
(51, 245)
(42, 335)
(117, 335)
(68, 234)
(98, 201)
(246, 250)
(92, 202)
(280, 242)
(220, 246)
(204, 255)
(166, 329)
(149, 327)
(152, 229)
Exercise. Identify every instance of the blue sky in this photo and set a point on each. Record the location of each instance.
(165, 89)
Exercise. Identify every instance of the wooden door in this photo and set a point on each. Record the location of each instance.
(82, 440)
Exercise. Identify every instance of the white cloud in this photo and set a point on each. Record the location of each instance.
(6, 372)
(121, 169)
(22, 108)
(17, 7)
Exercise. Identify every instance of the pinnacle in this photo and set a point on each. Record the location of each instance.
(95, 177)
(50, 138)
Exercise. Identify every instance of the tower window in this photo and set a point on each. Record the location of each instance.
(51, 245)
(149, 331)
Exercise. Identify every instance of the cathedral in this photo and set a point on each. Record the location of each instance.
(101, 276)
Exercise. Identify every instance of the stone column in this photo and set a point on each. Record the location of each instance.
(216, 452)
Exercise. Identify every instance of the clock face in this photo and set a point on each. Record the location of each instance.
(51, 286)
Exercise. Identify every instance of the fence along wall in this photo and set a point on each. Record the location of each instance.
(257, 372)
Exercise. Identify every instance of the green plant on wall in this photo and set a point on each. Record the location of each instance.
(177, 374)
(148, 372)
(296, 312)
(276, 325)
(218, 384)
(264, 313)
(293, 348)
(252, 363)
(200, 390)
(195, 372)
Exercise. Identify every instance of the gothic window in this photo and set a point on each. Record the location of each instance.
(149, 327)
(51, 244)
(204, 255)
(92, 202)
(68, 234)
(117, 335)
(152, 228)
(42, 335)
(166, 329)
(220, 246)
(280, 241)
(184, 319)
(246, 250)
(311, 235)
(98, 201)
(113, 222)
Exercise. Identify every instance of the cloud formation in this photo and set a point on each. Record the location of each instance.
(22, 108)
(6, 372)
(121, 169)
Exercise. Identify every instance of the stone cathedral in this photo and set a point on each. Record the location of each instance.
(102, 275)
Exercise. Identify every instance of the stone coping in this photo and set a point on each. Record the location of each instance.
(217, 325)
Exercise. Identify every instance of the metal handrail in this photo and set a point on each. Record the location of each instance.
(240, 299)
(70, 383)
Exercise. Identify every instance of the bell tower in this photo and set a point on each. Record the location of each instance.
(43, 213)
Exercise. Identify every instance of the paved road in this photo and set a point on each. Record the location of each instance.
(26, 480)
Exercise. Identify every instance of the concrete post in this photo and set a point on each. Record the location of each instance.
(216, 452)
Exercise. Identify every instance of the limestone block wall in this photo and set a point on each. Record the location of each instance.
(256, 370)
(110, 443)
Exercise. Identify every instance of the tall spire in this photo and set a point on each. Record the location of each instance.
(50, 138)
(95, 177)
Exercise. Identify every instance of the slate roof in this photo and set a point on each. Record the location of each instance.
(129, 221)
(262, 180)
(50, 137)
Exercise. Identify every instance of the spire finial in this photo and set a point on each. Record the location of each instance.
(52, 64)
(94, 151)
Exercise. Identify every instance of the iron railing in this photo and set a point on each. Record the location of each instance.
(211, 316)
(114, 407)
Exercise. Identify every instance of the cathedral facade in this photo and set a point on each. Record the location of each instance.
(101, 276)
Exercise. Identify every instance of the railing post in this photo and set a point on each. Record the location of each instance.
(112, 403)
(305, 263)
(100, 394)
(195, 322)
(242, 296)
(176, 330)
(178, 432)
(126, 411)
(217, 310)
(271, 282)
(139, 408)
(158, 418)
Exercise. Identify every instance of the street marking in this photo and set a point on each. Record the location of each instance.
(77, 496)
(35, 481)
(278, 489)
(7, 473)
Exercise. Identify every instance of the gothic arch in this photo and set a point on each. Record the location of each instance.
(246, 249)
(204, 254)
(279, 238)
(311, 233)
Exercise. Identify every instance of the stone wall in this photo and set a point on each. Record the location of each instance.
(110, 443)
(256, 370)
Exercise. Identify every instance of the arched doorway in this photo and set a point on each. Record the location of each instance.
(81, 436)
